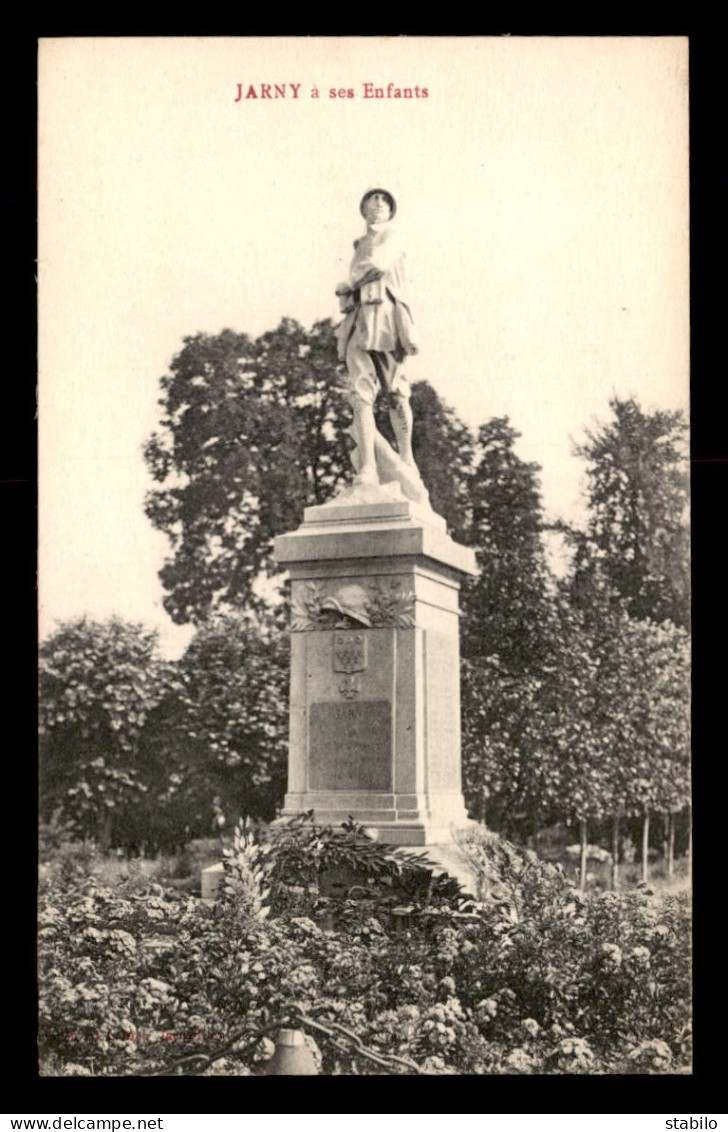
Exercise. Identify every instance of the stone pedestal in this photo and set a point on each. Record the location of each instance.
(375, 678)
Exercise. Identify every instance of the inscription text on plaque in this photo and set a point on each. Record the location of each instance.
(350, 746)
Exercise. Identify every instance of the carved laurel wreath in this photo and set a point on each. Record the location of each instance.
(384, 603)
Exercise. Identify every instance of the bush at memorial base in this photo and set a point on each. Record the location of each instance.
(536, 979)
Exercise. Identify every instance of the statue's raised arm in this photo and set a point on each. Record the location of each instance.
(374, 339)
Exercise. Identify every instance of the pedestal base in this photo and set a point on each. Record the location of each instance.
(394, 819)
(375, 669)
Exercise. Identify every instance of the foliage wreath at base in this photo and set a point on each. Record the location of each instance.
(533, 979)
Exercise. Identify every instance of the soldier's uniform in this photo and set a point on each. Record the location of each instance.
(376, 334)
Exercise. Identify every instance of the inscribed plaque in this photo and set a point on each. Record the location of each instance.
(350, 746)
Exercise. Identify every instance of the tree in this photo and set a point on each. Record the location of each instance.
(514, 646)
(505, 759)
(251, 432)
(144, 754)
(625, 700)
(637, 532)
(506, 610)
(651, 720)
(231, 743)
(598, 728)
(443, 450)
(101, 687)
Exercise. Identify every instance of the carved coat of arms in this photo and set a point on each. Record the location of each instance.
(350, 652)
(350, 658)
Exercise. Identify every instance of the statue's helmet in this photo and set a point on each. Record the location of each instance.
(351, 600)
(390, 201)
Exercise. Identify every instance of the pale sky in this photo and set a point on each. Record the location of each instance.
(542, 191)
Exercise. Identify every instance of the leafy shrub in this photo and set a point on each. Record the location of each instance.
(53, 834)
(536, 980)
(243, 889)
(344, 876)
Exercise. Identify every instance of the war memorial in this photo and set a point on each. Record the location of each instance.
(375, 686)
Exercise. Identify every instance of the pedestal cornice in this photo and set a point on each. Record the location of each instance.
(384, 530)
